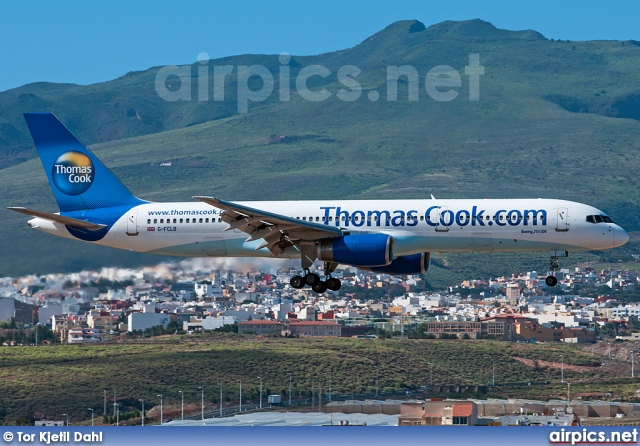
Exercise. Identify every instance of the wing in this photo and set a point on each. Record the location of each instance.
(68, 221)
(277, 231)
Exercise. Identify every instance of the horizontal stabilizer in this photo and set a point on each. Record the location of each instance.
(67, 221)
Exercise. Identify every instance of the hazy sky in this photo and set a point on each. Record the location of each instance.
(86, 42)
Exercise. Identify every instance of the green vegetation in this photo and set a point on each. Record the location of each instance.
(525, 137)
(50, 380)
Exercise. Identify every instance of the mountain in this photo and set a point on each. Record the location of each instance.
(554, 119)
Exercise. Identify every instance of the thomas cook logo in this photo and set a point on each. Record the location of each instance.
(73, 173)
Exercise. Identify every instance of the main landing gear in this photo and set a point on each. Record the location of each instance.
(554, 267)
(313, 280)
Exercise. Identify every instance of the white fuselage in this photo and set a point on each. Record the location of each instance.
(510, 225)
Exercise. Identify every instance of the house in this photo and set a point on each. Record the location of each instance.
(81, 336)
(260, 327)
(438, 412)
(315, 328)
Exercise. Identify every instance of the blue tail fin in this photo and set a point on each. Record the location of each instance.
(78, 179)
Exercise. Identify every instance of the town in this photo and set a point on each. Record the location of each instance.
(202, 295)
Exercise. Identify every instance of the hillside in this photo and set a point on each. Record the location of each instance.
(46, 381)
(554, 119)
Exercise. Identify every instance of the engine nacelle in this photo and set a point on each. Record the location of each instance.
(358, 250)
(413, 264)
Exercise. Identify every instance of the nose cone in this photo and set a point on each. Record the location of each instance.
(620, 236)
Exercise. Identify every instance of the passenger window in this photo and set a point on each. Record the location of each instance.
(219, 220)
(161, 220)
(317, 218)
(304, 218)
(330, 218)
(206, 220)
(590, 219)
(187, 220)
(174, 220)
(422, 218)
(194, 220)
(155, 221)
(324, 218)
(149, 221)
(200, 220)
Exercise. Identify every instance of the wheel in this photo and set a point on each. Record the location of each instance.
(551, 281)
(297, 282)
(334, 284)
(319, 287)
(311, 279)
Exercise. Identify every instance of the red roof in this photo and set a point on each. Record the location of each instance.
(259, 323)
(298, 323)
(462, 410)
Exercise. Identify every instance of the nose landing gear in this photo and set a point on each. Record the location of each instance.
(554, 267)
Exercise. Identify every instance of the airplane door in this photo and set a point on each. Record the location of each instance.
(562, 220)
(482, 242)
(442, 216)
(132, 222)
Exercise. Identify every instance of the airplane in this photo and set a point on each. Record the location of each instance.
(386, 236)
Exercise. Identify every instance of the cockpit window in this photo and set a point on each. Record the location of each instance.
(598, 219)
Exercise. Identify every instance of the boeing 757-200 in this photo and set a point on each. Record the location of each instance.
(388, 236)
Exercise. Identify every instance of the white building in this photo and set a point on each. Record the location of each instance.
(207, 290)
(208, 323)
(144, 321)
(82, 335)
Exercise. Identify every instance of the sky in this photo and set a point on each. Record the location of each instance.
(87, 42)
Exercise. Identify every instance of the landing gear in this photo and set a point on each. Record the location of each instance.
(554, 267)
(319, 287)
(313, 280)
(297, 282)
(333, 284)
